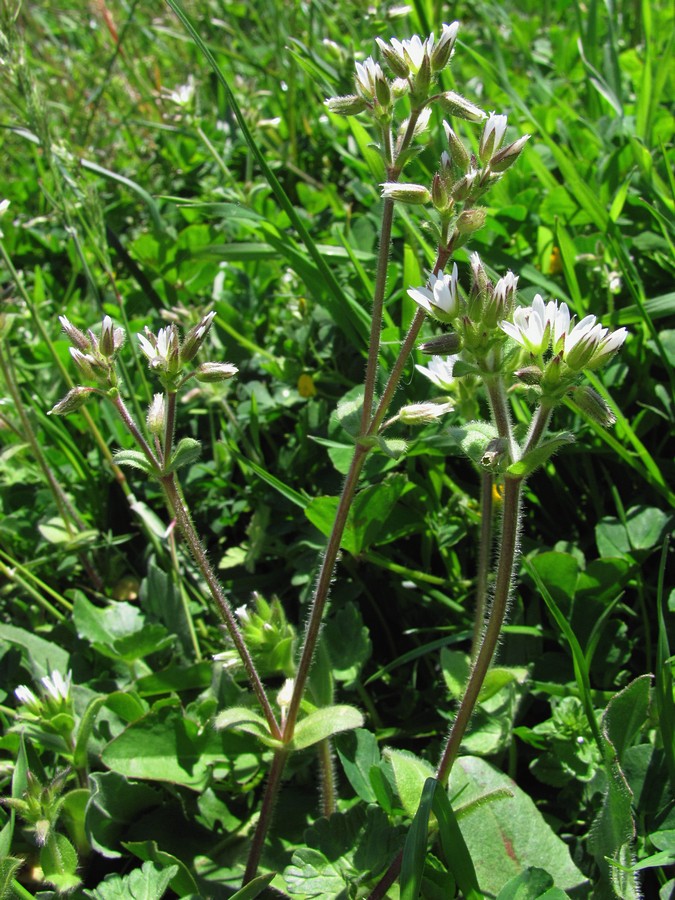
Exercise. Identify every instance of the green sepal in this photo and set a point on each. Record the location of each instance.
(539, 455)
(323, 723)
(135, 459)
(240, 718)
(187, 451)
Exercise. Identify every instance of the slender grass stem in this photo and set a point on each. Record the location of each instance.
(266, 813)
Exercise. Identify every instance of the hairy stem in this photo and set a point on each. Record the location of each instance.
(191, 538)
(500, 600)
(266, 813)
(484, 554)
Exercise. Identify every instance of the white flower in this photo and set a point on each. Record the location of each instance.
(157, 415)
(440, 298)
(57, 686)
(158, 348)
(439, 371)
(531, 326)
(367, 74)
(26, 697)
(4, 206)
(183, 94)
(406, 192)
(492, 137)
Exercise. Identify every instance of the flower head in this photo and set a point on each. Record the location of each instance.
(162, 349)
(57, 687)
(531, 326)
(440, 298)
(423, 413)
(439, 371)
(368, 73)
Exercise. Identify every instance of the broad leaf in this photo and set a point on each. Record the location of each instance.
(323, 723)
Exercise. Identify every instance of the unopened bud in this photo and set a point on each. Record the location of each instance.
(531, 375)
(210, 372)
(111, 338)
(459, 155)
(350, 105)
(396, 62)
(459, 106)
(423, 413)
(442, 344)
(78, 338)
(420, 89)
(442, 51)
(439, 194)
(464, 188)
(195, 338)
(382, 91)
(406, 193)
(156, 419)
(505, 158)
(74, 399)
(470, 220)
(593, 405)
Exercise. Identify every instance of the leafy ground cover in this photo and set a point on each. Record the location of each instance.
(147, 186)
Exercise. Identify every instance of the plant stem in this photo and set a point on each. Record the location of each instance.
(500, 600)
(266, 812)
(484, 553)
(376, 320)
(328, 795)
(191, 538)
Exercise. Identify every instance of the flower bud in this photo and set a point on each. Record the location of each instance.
(394, 60)
(442, 344)
(464, 188)
(459, 155)
(78, 338)
(74, 399)
(470, 220)
(382, 90)
(492, 137)
(440, 55)
(211, 372)
(459, 106)
(405, 193)
(195, 337)
(505, 158)
(420, 89)
(111, 338)
(531, 375)
(439, 195)
(156, 419)
(593, 405)
(423, 413)
(350, 105)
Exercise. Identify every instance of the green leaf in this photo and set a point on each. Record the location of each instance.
(348, 642)
(9, 866)
(165, 745)
(532, 884)
(613, 830)
(395, 448)
(187, 451)
(367, 515)
(182, 882)
(42, 657)
(410, 775)
(55, 531)
(58, 860)
(254, 887)
(150, 882)
(115, 804)
(358, 752)
(473, 438)
(119, 630)
(323, 723)
(541, 454)
(312, 875)
(248, 721)
(135, 459)
(643, 529)
(507, 836)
